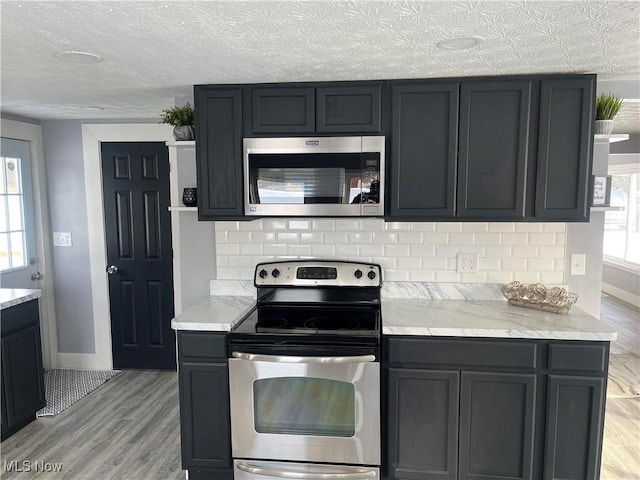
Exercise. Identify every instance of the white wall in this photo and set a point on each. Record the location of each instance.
(407, 251)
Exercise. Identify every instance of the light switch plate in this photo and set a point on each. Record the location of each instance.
(578, 263)
(62, 239)
(467, 263)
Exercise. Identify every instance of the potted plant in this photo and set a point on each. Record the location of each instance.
(607, 106)
(182, 120)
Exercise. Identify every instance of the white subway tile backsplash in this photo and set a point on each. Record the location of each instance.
(251, 249)
(502, 227)
(436, 238)
(395, 226)
(462, 238)
(263, 237)
(448, 227)
(552, 278)
(423, 227)
(360, 237)
(275, 249)
(299, 224)
(239, 237)
(421, 276)
(554, 227)
(422, 250)
(323, 251)
(321, 225)
(272, 224)
(347, 225)
(396, 250)
(542, 238)
(552, 252)
(346, 250)
(407, 251)
(299, 250)
(287, 237)
(410, 238)
(514, 239)
(514, 264)
(371, 250)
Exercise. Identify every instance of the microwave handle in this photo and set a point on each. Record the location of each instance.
(255, 357)
(360, 474)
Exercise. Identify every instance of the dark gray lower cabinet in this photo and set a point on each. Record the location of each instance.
(574, 425)
(497, 415)
(204, 405)
(477, 409)
(22, 371)
(423, 433)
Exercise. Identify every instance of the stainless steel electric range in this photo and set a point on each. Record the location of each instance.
(304, 373)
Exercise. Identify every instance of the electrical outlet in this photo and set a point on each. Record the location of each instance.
(467, 263)
(578, 263)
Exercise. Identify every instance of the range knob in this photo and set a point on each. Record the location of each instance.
(275, 273)
(263, 273)
(357, 273)
(371, 275)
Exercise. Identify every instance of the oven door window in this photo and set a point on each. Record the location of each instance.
(304, 406)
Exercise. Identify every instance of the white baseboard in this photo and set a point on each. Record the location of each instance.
(81, 361)
(621, 294)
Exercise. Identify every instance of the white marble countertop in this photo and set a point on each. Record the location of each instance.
(215, 313)
(488, 318)
(10, 297)
(411, 316)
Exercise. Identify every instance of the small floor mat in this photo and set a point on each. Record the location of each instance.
(65, 387)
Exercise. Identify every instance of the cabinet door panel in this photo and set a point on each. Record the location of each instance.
(575, 415)
(423, 424)
(424, 150)
(219, 152)
(204, 415)
(23, 375)
(494, 139)
(283, 110)
(565, 147)
(349, 109)
(497, 414)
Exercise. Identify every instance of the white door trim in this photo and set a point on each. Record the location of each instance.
(92, 136)
(32, 133)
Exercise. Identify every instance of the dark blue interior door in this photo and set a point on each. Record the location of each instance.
(139, 255)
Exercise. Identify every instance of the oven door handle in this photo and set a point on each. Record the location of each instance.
(360, 473)
(255, 357)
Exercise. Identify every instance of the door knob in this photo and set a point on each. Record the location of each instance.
(111, 269)
(36, 276)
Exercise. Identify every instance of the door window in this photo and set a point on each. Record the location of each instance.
(13, 235)
(304, 406)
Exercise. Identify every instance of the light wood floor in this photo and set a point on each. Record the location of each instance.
(128, 429)
(621, 450)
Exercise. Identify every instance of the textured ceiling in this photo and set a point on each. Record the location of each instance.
(154, 51)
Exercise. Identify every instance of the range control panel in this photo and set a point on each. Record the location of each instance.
(299, 273)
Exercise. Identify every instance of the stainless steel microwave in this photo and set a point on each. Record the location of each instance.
(314, 176)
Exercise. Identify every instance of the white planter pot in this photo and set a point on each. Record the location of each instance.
(604, 127)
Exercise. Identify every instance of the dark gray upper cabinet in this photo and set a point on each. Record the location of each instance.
(565, 145)
(323, 108)
(424, 129)
(494, 140)
(219, 152)
(283, 110)
(350, 109)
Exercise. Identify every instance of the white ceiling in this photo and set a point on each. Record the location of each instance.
(155, 51)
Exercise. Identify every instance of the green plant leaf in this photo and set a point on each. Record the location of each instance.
(178, 116)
